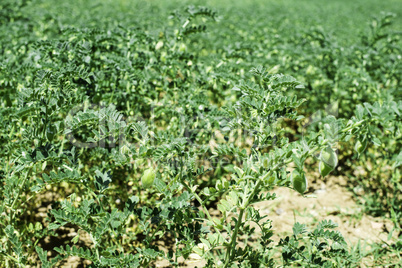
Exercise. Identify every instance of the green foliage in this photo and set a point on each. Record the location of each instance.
(90, 101)
(321, 247)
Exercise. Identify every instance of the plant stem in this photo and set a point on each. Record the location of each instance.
(232, 248)
(204, 208)
(18, 193)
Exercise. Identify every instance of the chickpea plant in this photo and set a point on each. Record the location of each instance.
(116, 140)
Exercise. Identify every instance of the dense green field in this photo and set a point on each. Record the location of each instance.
(147, 133)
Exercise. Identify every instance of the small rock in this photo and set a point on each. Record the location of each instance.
(320, 191)
(279, 211)
(376, 225)
(314, 213)
(194, 256)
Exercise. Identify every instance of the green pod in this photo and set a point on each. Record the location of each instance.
(328, 161)
(360, 146)
(299, 181)
(148, 177)
(324, 168)
(265, 163)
